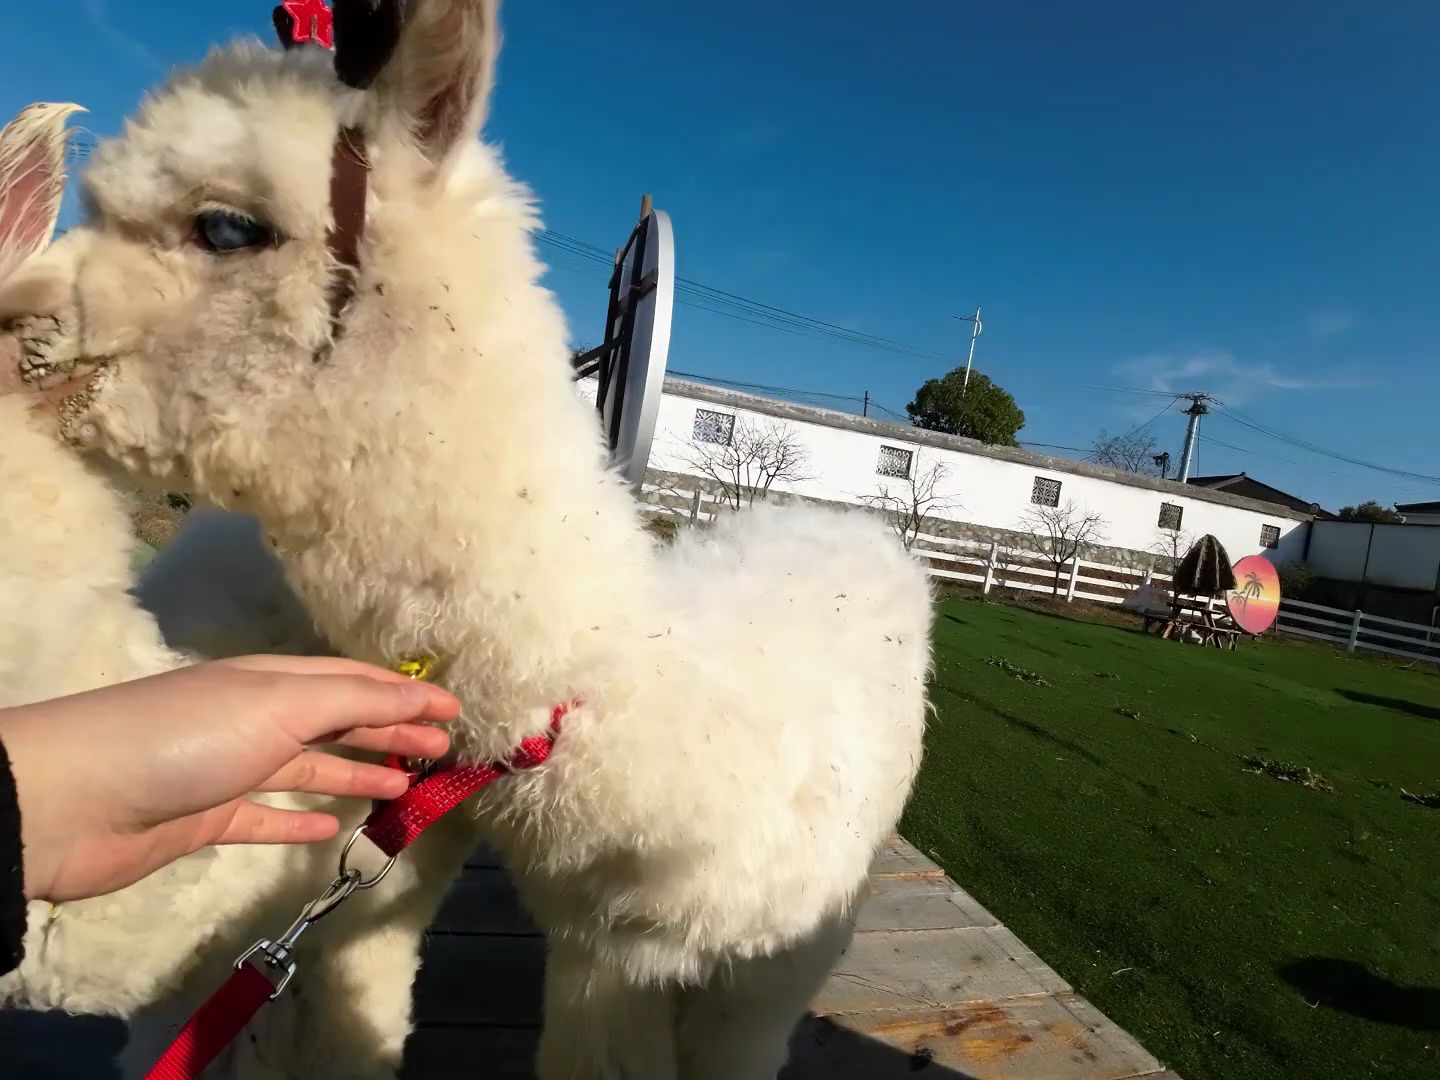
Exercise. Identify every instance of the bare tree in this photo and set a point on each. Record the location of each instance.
(1171, 545)
(758, 456)
(1134, 452)
(908, 504)
(1057, 533)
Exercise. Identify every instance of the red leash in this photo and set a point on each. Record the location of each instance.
(267, 967)
(216, 1023)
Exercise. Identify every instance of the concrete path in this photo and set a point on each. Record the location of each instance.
(933, 985)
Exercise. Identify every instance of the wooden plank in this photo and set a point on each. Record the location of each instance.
(1343, 627)
(905, 969)
(1037, 1038)
(951, 575)
(1298, 632)
(1419, 640)
(900, 857)
(1287, 602)
(483, 902)
(490, 981)
(920, 903)
(465, 1053)
(1386, 621)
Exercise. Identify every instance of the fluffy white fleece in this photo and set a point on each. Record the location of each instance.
(752, 699)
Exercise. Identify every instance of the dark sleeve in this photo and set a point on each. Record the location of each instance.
(12, 875)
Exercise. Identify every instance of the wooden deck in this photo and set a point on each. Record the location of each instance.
(932, 986)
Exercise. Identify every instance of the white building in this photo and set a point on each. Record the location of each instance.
(986, 487)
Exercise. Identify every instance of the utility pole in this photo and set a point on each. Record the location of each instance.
(1198, 408)
(865, 409)
(974, 333)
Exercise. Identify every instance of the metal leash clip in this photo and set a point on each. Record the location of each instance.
(279, 955)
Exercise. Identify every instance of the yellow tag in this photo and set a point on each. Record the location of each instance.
(418, 668)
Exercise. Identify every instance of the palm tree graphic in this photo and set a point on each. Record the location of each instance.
(1252, 590)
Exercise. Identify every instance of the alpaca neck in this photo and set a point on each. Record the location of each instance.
(493, 538)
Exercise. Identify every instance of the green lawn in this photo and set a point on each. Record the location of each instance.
(1239, 925)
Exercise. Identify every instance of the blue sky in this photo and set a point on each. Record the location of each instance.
(1237, 198)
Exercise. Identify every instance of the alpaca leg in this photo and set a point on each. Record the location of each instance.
(738, 1026)
(598, 1027)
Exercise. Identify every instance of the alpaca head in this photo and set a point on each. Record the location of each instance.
(197, 305)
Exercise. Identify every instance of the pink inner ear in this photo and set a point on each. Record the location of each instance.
(30, 193)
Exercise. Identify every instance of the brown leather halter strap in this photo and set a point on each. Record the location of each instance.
(349, 184)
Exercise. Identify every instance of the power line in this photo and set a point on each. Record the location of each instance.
(766, 387)
(902, 418)
(1056, 446)
(1256, 453)
(1133, 390)
(1238, 417)
(734, 306)
(1168, 406)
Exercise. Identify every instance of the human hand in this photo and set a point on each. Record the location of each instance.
(118, 782)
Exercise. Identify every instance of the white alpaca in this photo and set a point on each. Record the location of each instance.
(751, 701)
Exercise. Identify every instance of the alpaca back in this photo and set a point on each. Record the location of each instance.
(758, 746)
(811, 633)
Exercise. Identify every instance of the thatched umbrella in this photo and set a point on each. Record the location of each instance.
(1205, 570)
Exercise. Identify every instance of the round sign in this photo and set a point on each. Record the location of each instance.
(1255, 600)
(630, 410)
(629, 368)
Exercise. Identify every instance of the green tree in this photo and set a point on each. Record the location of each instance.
(1372, 512)
(983, 411)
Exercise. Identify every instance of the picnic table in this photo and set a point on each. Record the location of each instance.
(1193, 619)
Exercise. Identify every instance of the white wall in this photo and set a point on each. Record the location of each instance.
(983, 490)
(1337, 549)
(1399, 556)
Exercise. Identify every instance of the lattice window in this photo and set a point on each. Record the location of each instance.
(1045, 492)
(1270, 536)
(1170, 516)
(895, 462)
(714, 427)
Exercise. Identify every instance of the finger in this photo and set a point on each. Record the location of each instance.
(318, 707)
(314, 665)
(411, 740)
(251, 823)
(447, 706)
(325, 774)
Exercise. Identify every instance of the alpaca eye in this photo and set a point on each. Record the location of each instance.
(224, 231)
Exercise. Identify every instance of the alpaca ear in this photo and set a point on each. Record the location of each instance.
(32, 181)
(443, 70)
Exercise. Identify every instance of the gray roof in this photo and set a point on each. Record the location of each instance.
(787, 410)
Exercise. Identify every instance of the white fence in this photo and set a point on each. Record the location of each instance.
(992, 565)
(1357, 630)
(989, 565)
